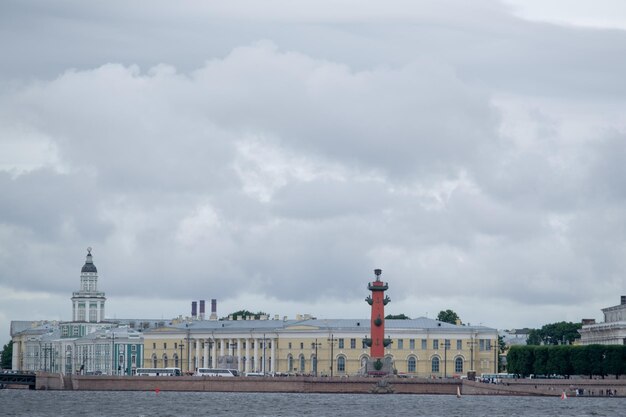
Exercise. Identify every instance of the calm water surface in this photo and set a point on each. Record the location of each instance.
(82, 403)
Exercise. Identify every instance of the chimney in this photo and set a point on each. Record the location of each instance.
(213, 309)
(201, 309)
(194, 309)
(623, 299)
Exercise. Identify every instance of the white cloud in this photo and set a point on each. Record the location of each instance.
(474, 156)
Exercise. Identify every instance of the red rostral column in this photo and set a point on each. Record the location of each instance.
(378, 301)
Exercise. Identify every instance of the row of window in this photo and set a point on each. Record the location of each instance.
(228, 345)
(166, 361)
(484, 344)
(411, 364)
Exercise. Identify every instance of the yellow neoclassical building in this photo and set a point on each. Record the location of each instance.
(421, 347)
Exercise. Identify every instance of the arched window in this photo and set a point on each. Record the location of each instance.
(458, 365)
(341, 364)
(176, 361)
(435, 364)
(363, 361)
(165, 362)
(302, 363)
(314, 365)
(411, 364)
(289, 363)
(154, 360)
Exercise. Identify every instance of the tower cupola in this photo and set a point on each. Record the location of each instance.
(89, 266)
(88, 302)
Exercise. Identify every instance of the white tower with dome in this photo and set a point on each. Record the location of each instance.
(88, 302)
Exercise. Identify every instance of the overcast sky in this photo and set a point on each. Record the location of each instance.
(271, 154)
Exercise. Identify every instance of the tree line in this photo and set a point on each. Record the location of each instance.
(6, 356)
(555, 334)
(564, 360)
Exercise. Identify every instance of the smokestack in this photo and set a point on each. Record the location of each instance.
(194, 309)
(201, 309)
(213, 309)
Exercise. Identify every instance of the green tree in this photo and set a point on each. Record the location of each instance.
(512, 360)
(555, 334)
(520, 360)
(448, 316)
(595, 356)
(6, 357)
(540, 364)
(535, 337)
(397, 317)
(501, 350)
(243, 314)
(615, 360)
(580, 361)
(559, 362)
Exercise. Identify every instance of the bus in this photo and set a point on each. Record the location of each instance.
(158, 372)
(216, 372)
(496, 378)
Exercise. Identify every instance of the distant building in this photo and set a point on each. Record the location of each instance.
(91, 344)
(420, 347)
(87, 344)
(611, 332)
(515, 337)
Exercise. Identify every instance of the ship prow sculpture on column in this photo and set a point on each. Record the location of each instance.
(377, 364)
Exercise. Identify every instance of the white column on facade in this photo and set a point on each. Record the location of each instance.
(98, 318)
(273, 357)
(257, 368)
(239, 359)
(188, 348)
(247, 342)
(15, 363)
(62, 358)
(205, 354)
(197, 360)
(87, 310)
(214, 354)
(222, 343)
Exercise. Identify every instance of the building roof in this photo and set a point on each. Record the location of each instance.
(89, 266)
(351, 325)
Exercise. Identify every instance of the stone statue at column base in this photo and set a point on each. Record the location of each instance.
(378, 367)
(227, 362)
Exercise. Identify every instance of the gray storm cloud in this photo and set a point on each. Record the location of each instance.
(476, 157)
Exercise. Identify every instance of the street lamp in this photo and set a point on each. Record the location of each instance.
(263, 365)
(332, 345)
(232, 349)
(45, 357)
(181, 355)
(112, 354)
(446, 346)
(471, 344)
(315, 359)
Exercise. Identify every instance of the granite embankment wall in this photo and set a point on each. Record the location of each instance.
(250, 384)
(355, 385)
(548, 387)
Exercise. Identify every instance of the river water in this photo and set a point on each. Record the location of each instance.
(179, 404)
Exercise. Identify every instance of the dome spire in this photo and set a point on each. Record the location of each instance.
(89, 266)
